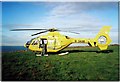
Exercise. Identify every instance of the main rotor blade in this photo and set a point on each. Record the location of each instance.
(73, 32)
(70, 32)
(26, 29)
(39, 33)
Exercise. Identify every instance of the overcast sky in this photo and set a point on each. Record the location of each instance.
(84, 17)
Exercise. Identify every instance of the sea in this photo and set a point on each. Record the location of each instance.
(12, 48)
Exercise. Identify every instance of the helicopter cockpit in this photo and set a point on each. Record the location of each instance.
(28, 43)
(36, 42)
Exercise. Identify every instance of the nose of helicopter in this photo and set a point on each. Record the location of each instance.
(27, 44)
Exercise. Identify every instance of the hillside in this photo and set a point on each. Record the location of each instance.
(84, 63)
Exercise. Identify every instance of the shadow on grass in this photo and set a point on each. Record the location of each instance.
(73, 51)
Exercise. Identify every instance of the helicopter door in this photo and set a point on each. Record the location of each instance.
(51, 44)
(42, 42)
(35, 44)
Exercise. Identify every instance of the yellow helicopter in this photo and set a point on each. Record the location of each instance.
(55, 41)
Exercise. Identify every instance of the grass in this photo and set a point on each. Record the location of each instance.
(80, 64)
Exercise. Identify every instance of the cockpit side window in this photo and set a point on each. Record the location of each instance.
(35, 42)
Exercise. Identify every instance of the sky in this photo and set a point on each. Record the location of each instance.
(86, 18)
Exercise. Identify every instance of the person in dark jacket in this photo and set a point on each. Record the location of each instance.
(43, 45)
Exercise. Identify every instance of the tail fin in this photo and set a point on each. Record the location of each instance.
(102, 40)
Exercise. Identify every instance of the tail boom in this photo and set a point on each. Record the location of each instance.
(102, 40)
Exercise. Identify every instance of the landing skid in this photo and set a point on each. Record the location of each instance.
(41, 55)
(61, 54)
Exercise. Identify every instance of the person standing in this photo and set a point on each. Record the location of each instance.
(43, 44)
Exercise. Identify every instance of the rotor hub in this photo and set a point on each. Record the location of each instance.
(52, 30)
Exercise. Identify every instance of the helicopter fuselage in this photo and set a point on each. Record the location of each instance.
(56, 41)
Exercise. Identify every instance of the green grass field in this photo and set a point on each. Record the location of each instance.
(80, 64)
